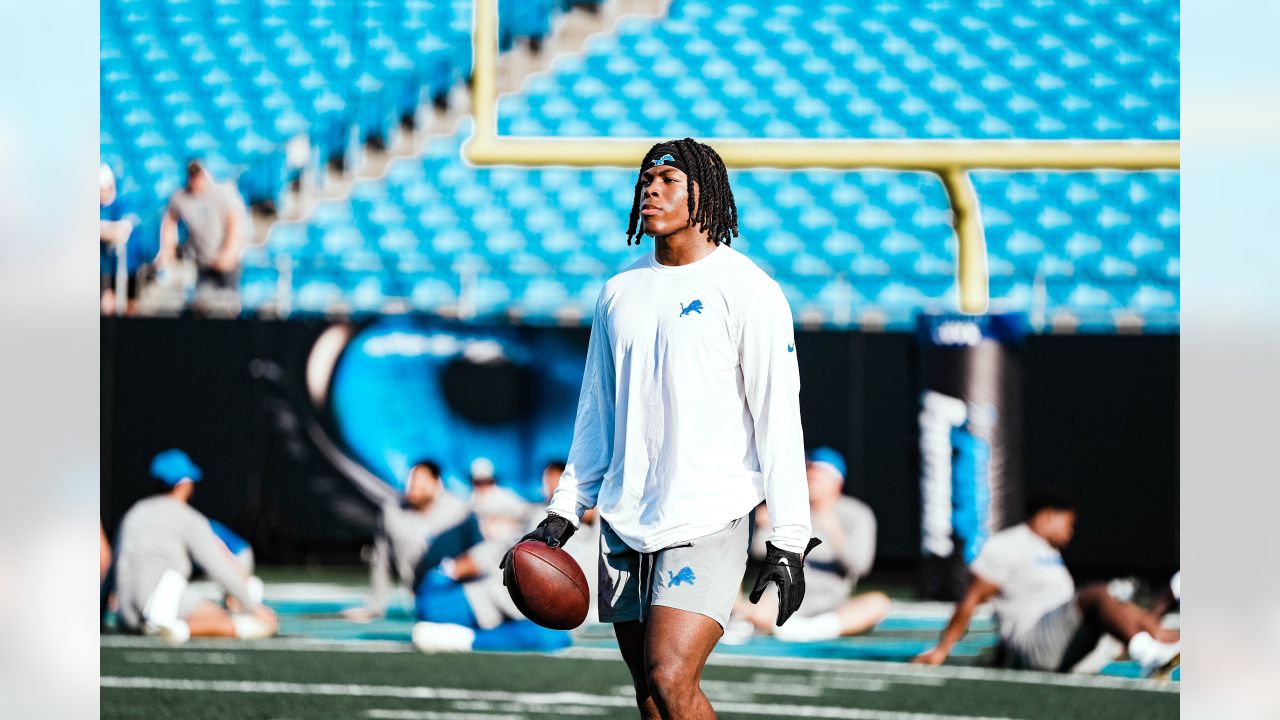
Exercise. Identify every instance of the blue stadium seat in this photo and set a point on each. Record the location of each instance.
(842, 244)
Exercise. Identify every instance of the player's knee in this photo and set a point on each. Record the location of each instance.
(1091, 596)
(879, 604)
(1091, 593)
(672, 681)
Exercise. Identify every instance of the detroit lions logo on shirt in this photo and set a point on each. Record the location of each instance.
(683, 575)
(695, 306)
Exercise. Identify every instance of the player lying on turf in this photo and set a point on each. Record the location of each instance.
(847, 528)
(159, 539)
(464, 606)
(688, 417)
(405, 529)
(1045, 622)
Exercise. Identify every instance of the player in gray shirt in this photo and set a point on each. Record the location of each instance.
(847, 528)
(159, 540)
(405, 531)
(1045, 622)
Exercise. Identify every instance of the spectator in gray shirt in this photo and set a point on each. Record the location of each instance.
(215, 218)
(160, 539)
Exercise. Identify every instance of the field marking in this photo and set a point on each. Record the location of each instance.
(509, 707)
(861, 682)
(555, 699)
(434, 715)
(894, 672)
(728, 688)
(281, 644)
(180, 657)
(899, 671)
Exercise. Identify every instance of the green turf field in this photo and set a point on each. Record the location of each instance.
(325, 667)
(292, 679)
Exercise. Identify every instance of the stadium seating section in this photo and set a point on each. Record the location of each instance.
(234, 81)
(851, 249)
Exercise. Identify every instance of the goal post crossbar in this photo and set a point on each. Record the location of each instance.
(951, 160)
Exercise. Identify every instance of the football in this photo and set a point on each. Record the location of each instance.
(547, 585)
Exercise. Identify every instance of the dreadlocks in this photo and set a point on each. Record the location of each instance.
(715, 211)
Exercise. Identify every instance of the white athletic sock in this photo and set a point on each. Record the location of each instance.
(432, 637)
(819, 627)
(256, 588)
(174, 632)
(250, 627)
(1149, 652)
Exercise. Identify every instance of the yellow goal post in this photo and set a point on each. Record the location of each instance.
(951, 160)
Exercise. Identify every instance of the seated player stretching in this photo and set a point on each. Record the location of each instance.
(161, 538)
(464, 606)
(407, 527)
(847, 528)
(1045, 623)
(689, 416)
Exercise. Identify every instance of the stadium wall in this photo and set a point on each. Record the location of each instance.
(1100, 422)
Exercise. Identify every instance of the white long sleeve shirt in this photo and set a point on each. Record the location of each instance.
(689, 413)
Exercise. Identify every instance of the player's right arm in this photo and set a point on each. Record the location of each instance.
(592, 447)
(233, 240)
(980, 591)
(858, 553)
(217, 562)
(380, 572)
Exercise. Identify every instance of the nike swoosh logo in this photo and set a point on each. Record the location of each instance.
(783, 562)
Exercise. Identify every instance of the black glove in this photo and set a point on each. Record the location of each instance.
(554, 531)
(786, 569)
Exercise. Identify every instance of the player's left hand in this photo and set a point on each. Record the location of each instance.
(786, 570)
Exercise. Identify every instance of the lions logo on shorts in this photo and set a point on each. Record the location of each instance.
(683, 575)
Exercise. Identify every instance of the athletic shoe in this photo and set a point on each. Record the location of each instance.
(1123, 589)
(175, 632)
(1169, 671)
(433, 638)
(250, 626)
(810, 629)
(1152, 655)
(738, 632)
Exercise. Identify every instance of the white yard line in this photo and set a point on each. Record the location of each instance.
(179, 657)
(551, 700)
(900, 672)
(281, 644)
(892, 672)
(511, 707)
(435, 715)
(728, 689)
